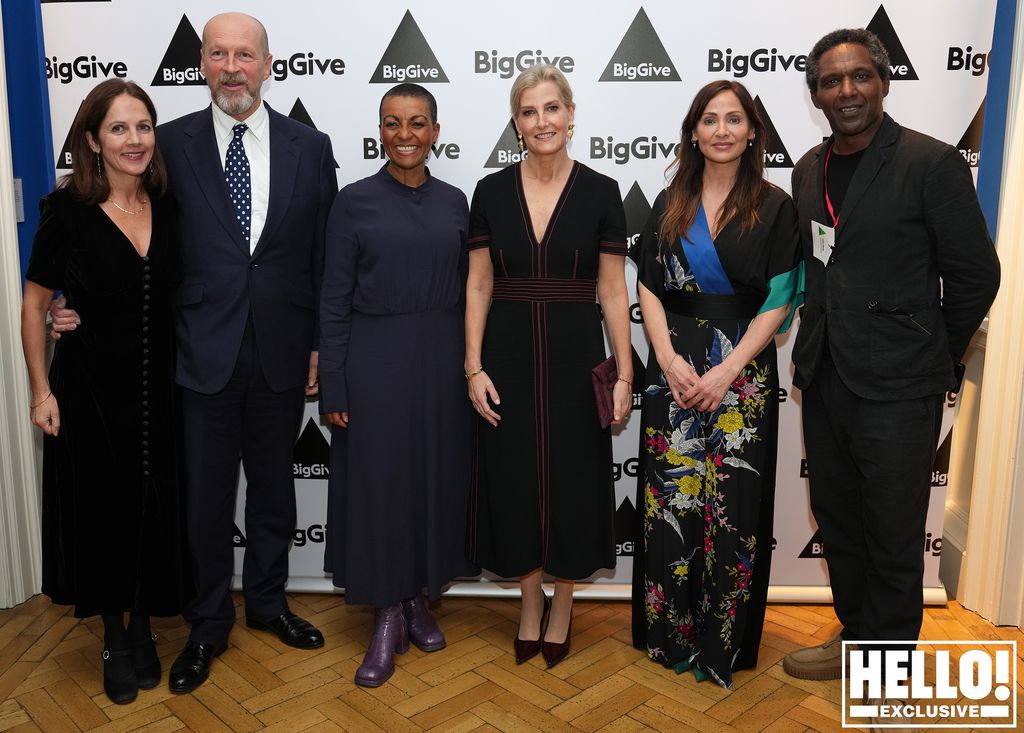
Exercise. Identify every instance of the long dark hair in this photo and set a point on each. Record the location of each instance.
(85, 180)
(684, 191)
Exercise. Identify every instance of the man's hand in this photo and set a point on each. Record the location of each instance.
(340, 419)
(62, 319)
(312, 385)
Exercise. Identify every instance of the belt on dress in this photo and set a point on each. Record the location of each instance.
(544, 289)
(711, 305)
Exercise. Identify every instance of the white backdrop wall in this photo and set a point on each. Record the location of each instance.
(634, 69)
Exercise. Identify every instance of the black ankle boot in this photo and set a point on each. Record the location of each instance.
(119, 680)
(146, 662)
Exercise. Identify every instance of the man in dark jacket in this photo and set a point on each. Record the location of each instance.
(900, 273)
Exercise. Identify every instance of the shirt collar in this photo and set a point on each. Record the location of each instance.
(223, 123)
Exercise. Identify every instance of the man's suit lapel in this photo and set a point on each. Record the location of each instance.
(875, 156)
(204, 157)
(284, 164)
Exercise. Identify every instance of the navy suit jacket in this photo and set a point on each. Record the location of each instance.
(912, 274)
(222, 284)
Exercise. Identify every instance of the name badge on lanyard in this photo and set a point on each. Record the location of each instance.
(823, 237)
(823, 240)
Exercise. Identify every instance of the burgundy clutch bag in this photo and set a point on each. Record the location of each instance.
(604, 377)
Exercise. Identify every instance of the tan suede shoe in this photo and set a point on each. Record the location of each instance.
(822, 662)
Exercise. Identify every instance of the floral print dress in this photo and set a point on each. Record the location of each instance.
(706, 485)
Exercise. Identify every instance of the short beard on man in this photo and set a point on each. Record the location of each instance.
(234, 103)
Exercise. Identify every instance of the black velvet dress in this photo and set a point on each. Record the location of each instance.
(113, 538)
(542, 494)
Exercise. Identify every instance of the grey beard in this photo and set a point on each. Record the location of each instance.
(234, 105)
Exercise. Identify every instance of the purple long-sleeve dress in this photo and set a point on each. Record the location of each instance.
(391, 351)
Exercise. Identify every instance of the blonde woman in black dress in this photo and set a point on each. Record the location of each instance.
(547, 240)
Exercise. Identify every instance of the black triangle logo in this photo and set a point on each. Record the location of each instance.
(237, 538)
(312, 453)
(299, 114)
(180, 64)
(815, 547)
(638, 210)
(506, 150)
(64, 158)
(641, 56)
(775, 153)
(970, 144)
(408, 58)
(940, 469)
(625, 528)
(900, 67)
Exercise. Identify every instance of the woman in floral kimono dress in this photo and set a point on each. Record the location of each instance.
(719, 273)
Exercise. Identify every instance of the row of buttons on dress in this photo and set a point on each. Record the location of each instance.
(145, 365)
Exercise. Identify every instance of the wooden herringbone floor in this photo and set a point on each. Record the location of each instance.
(50, 677)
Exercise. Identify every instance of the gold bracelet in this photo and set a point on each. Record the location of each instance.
(48, 395)
(630, 384)
(470, 375)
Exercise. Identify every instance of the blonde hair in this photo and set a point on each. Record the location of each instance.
(535, 75)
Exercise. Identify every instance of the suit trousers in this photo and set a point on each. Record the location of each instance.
(246, 420)
(870, 464)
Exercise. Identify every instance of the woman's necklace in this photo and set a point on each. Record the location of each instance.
(129, 211)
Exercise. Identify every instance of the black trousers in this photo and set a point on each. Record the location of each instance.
(870, 463)
(248, 421)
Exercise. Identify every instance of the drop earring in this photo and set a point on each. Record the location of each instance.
(519, 141)
(572, 126)
(99, 165)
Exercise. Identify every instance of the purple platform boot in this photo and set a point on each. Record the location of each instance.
(423, 629)
(389, 638)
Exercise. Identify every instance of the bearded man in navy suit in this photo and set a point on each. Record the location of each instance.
(254, 189)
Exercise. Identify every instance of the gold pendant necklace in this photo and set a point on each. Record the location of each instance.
(129, 211)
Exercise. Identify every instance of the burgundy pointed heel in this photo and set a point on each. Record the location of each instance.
(529, 648)
(553, 652)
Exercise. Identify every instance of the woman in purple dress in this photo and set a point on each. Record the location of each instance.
(391, 345)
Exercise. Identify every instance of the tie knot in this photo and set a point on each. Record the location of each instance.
(239, 130)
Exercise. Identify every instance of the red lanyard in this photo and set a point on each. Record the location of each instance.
(828, 201)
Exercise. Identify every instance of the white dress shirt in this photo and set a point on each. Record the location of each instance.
(256, 142)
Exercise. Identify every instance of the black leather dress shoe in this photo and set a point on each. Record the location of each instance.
(192, 666)
(291, 630)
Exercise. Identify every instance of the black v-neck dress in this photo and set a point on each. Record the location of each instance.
(543, 494)
(113, 538)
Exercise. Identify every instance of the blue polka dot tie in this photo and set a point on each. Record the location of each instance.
(236, 174)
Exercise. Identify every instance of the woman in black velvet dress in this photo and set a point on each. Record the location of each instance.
(112, 532)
